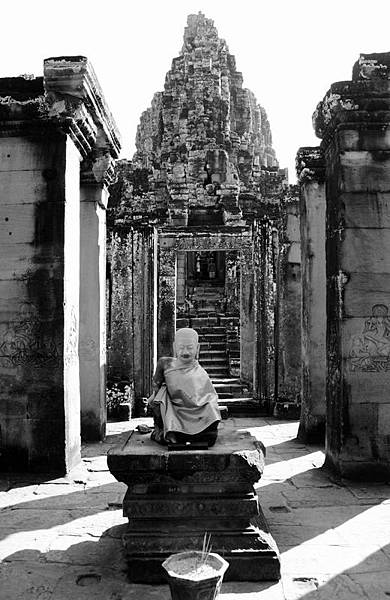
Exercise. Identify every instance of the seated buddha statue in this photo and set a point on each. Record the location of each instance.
(184, 401)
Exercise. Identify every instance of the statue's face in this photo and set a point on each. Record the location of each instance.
(186, 348)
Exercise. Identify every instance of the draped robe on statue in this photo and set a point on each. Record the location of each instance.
(188, 400)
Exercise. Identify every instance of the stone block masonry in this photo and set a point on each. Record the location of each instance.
(57, 145)
(353, 121)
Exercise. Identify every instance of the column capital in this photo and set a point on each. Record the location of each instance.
(310, 164)
(98, 168)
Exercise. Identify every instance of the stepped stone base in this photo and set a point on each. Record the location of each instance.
(173, 498)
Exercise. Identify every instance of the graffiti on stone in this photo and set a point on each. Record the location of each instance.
(25, 342)
(370, 350)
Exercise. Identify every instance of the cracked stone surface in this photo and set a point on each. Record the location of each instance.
(61, 540)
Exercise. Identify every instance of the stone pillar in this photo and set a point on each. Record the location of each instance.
(39, 330)
(46, 129)
(232, 282)
(181, 278)
(95, 177)
(354, 122)
(311, 173)
(143, 258)
(247, 314)
(265, 303)
(166, 317)
(289, 383)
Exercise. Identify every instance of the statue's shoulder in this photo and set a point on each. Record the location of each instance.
(164, 362)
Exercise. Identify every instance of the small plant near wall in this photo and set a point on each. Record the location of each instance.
(119, 399)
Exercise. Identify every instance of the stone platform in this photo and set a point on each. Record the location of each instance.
(173, 498)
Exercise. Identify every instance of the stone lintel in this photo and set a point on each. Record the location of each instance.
(310, 164)
(229, 238)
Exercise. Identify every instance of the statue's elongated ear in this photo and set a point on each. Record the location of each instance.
(174, 350)
(197, 352)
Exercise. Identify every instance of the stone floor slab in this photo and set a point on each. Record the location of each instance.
(63, 541)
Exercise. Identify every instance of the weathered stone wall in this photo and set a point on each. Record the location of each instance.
(353, 121)
(39, 306)
(132, 307)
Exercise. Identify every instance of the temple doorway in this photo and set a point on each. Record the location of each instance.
(207, 267)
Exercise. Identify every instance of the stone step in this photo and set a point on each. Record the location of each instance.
(243, 407)
(234, 389)
(205, 345)
(212, 337)
(203, 328)
(229, 320)
(217, 374)
(213, 353)
(213, 362)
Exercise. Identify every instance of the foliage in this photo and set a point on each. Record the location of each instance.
(116, 395)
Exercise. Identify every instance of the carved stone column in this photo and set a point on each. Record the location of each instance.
(166, 317)
(247, 316)
(232, 282)
(311, 173)
(353, 121)
(289, 306)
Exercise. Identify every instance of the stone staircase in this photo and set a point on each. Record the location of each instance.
(219, 349)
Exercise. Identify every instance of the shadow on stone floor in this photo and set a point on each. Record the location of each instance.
(368, 579)
(55, 506)
(301, 507)
(92, 569)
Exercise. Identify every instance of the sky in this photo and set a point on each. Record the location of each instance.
(289, 51)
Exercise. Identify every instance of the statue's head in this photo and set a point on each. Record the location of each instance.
(186, 345)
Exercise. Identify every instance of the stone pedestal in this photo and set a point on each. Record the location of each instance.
(311, 173)
(173, 498)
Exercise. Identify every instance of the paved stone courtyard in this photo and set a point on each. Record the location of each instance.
(60, 539)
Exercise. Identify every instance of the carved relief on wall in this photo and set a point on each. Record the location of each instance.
(26, 342)
(72, 338)
(370, 350)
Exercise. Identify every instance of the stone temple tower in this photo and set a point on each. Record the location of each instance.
(205, 137)
(185, 216)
